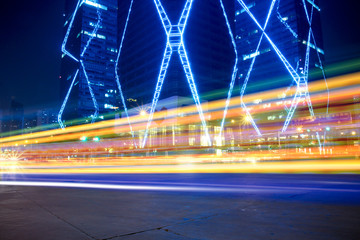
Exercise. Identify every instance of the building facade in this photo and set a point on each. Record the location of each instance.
(93, 41)
(288, 29)
(208, 44)
(291, 45)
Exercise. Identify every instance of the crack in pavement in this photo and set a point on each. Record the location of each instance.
(134, 233)
(161, 228)
(52, 213)
(178, 234)
(164, 228)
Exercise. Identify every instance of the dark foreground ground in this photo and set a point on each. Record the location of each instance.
(186, 206)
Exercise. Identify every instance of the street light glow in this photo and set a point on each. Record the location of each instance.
(142, 113)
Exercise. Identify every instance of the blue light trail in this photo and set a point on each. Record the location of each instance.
(175, 42)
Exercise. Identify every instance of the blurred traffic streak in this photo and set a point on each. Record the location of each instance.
(326, 143)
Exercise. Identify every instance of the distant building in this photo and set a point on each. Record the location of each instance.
(46, 117)
(16, 116)
(30, 121)
(1, 120)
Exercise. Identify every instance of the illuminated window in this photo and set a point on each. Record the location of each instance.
(252, 55)
(94, 4)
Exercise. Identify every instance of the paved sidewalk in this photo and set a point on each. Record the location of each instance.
(66, 214)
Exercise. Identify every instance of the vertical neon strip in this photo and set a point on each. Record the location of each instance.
(93, 34)
(63, 48)
(302, 89)
(293, 106)
(306, 78)
(191, 82)
(117, 77)
(65, 101)
(284, 22)
(235, 69)
(94, 116)
(175, 42)
(323, 73)
(164, 18)
(160, 81)
(242, 92)
(307, 96)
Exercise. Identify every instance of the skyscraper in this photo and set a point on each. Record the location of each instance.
(206, 40)
(94, 30)
(287, 28)
(99, 26)
(88, 60)
(280, 46)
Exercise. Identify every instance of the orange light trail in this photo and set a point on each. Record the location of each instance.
(176, 144)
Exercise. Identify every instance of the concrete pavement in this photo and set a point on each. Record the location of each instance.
(68, 213)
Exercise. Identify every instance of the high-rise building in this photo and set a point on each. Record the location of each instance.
(89, 53)
(94, 31)
(99, 26)
(16, 115)
(207, 44)
(280, 47)
(288, 29)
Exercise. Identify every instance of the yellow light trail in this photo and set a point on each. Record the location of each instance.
(139, 122)
(62, 151)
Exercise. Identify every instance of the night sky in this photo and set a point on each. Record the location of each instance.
(32, 33)
(30, 52)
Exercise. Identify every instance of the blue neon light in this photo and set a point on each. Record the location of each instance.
(235, 69)
(63, 49)
(284, 21)
(63, 46)
(117, 77)
(65, 101)
(300, 80)
(175, 42)
(95, 4)
(242, 92)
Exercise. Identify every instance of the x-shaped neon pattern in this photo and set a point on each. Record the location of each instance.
(300, 80)
(175, 42)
